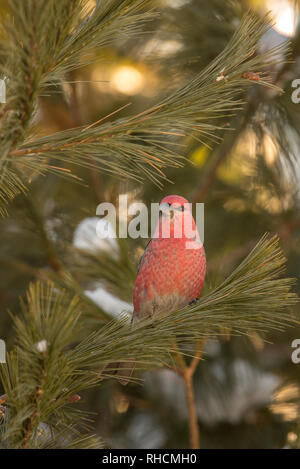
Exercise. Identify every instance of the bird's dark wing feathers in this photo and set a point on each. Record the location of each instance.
(142, 257)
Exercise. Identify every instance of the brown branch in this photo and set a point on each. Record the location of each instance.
(187, 373)
(222, 153)
(193, 420)
(55, 148)
(28, 430)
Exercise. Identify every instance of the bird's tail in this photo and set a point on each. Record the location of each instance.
(124, 371)
(120, 370)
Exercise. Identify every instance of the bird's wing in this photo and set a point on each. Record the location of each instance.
(142, 257)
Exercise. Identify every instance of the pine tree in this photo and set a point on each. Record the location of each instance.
(57, 164)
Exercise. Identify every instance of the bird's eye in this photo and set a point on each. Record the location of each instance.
(181, 208)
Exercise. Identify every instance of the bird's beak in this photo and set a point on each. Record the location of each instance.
(166, 210)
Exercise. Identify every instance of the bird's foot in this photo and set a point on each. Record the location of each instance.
(193, 301)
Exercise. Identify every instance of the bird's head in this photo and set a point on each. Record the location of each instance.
(175, 204)
(176, 219)
(173, 207)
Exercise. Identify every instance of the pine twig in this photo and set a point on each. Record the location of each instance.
(187, 372)
(248, 113)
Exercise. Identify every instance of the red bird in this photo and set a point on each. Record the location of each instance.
(172, 269)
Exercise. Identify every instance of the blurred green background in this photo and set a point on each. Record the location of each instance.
(247, 390)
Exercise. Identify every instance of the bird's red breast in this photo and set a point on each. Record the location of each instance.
(172, 269)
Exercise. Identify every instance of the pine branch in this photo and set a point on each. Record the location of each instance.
(142, 146)
(44, 39)
(110, 19)
(253, 297)
(45, 369)
(38, 379)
